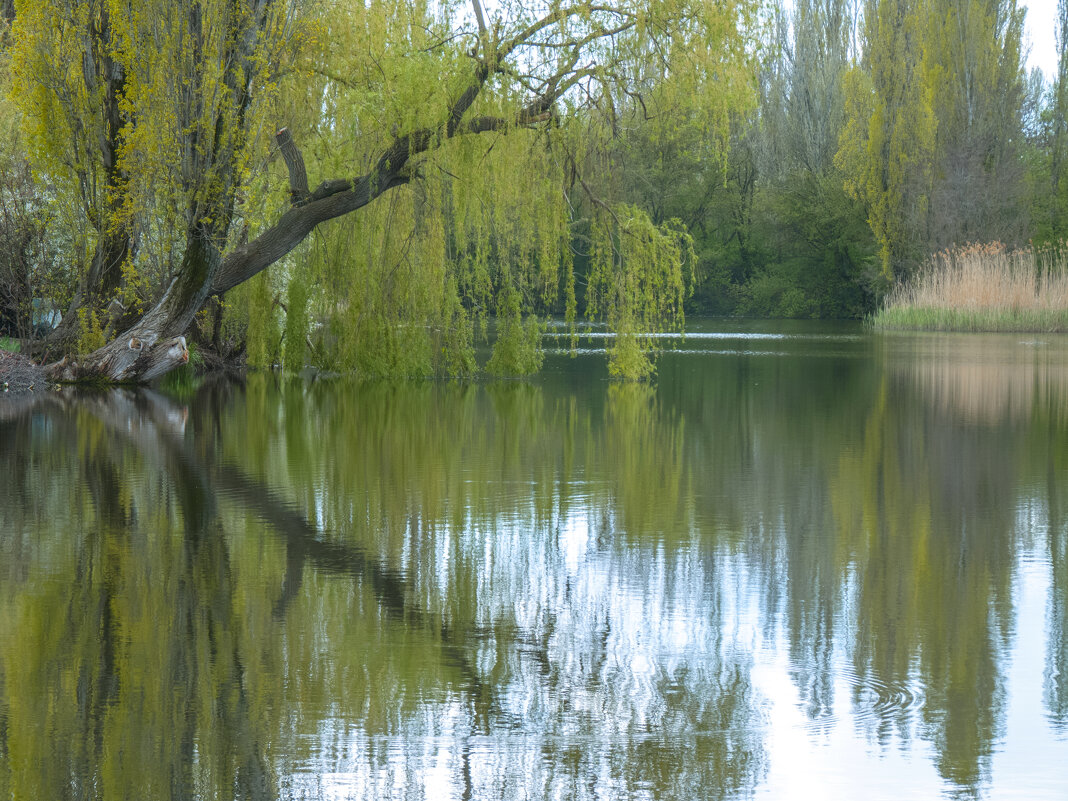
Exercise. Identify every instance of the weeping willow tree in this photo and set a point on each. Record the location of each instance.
(472, 146)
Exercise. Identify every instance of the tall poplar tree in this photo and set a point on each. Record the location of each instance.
(817, 228)
(888, 143)
(1059, 139)
(933, 142)
(807, 100)
(978, 84)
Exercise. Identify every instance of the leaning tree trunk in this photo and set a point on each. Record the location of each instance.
(156, 343)
(144, 352)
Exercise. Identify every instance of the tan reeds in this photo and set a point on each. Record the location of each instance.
(984, 287)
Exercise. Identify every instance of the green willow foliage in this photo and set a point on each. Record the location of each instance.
(296, 336)
(261, 320)
(640, 273)
(405, 288)
(133, 130)
(490, 229)
(153, 122)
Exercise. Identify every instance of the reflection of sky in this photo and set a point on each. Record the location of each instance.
(652, 630)
(1025, 765)
(603, 635)
(833, 762)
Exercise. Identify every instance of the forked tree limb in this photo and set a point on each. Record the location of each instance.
(298, 174)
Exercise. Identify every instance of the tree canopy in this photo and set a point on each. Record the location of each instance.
(152, 125)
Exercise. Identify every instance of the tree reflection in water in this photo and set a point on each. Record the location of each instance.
(186, 630)
(563, 589)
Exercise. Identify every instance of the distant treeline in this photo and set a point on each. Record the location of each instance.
(885, 131)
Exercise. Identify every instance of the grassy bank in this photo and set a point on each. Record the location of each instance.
(983, 288)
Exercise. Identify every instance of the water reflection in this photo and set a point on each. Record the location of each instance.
(1056, 673)
(1012, 390)
(567, 588)
(983, 378)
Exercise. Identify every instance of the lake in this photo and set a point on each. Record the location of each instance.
(808, 561)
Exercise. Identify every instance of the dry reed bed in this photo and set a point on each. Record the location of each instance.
(984, 288)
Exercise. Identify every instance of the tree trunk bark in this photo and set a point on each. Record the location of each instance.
(130, 361)
(155, 344)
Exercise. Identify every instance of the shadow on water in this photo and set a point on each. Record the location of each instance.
(203, 605)
(80, 684)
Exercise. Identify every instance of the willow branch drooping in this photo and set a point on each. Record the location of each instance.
(155, 344)
(590, 52)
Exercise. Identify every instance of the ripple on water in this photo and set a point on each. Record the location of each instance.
(867, 701)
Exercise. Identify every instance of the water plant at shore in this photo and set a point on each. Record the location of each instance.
(983, 287)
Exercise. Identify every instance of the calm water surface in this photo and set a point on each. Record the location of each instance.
(808, 562)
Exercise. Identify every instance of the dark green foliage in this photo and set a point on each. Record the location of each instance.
(793, 247)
